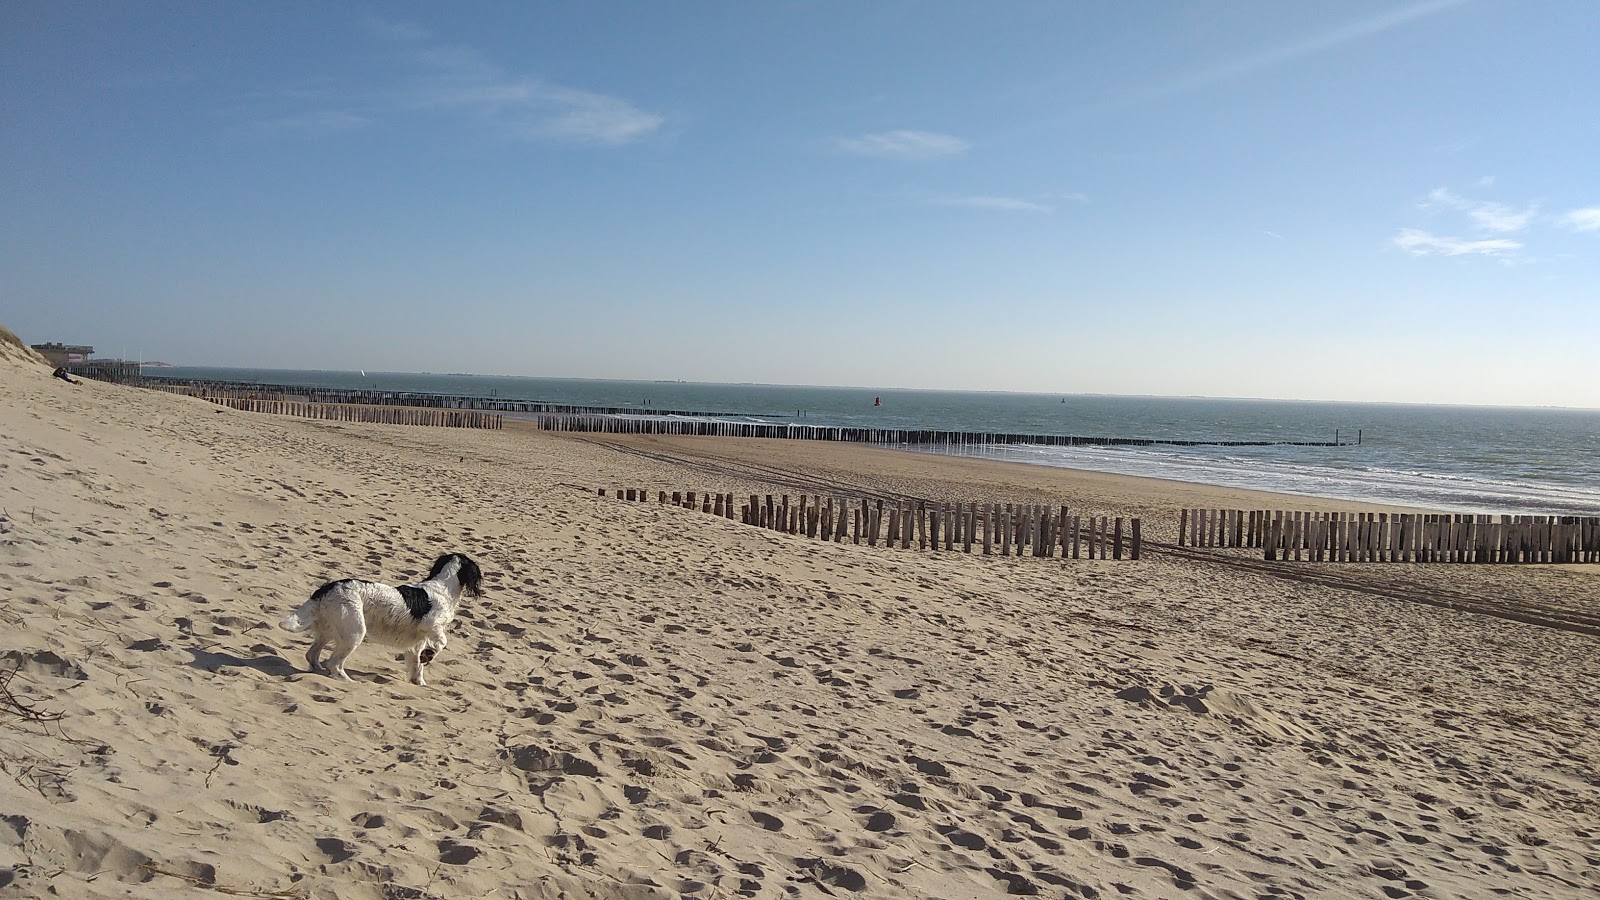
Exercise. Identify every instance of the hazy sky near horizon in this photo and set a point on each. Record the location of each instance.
(1357, 200)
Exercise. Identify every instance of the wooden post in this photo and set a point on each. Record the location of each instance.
(1136, 542)
(1183, 524)
(1117, 549)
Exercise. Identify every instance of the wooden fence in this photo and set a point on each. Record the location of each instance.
(645, 424)
(1397, 537)
(653, 420)
(387, 415)
(247, 390)
(1007, 529)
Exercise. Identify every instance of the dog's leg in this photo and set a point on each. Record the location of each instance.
(414, 655)
(312, 662)
(423, 653)
(342, 651)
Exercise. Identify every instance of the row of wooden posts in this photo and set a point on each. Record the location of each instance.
(245, 390)
(1396, 537)
(1004, 528)
(386, 415)
(920, 437)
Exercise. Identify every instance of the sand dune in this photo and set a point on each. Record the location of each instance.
(651, 702)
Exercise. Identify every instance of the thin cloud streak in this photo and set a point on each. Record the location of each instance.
(1004, 204)
(1422, 243)
(313, 124)
(1202, 79)
(1488, 216)
(1306, 47)
(904, 144)
(458, 79)
(461, 78)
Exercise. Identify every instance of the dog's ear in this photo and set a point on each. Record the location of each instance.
(470, 576)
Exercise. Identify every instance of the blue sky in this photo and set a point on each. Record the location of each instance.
(1358, 200)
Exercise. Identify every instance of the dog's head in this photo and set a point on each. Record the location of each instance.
(467, 573)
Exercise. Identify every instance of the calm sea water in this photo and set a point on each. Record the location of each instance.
(1453, 458)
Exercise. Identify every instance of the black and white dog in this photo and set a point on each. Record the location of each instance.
(341, 614)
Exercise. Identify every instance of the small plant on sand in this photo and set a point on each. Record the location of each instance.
(17, 713)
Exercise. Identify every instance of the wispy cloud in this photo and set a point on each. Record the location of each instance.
(313, 124)
(392, 30)
(1586, 219)
(1037, 203)
(444, 79)
(1240, 63)
(456, 77)
(1304, 47)
(1006, 204)
(1422, 243)
(905, 144)
(1486, 215)
(541, 111)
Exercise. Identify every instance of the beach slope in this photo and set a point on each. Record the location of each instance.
(651, 702)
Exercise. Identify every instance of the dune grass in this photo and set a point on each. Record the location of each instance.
(8, 339)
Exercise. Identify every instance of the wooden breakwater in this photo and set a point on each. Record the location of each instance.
(386, 415)
(244, 390)
(633, 424)
(1395, 537)
(657, 421)
(1006, 529)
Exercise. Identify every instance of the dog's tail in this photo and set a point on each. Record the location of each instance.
(300, 619)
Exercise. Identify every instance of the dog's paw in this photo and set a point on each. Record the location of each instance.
(427, 655)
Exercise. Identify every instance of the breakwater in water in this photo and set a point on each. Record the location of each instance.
(918, 437)
(1461, 458)
(619, 420)
(244, 390)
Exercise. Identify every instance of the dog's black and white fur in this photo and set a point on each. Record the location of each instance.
(341, 614)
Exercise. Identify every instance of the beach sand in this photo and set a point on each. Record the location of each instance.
(652, 702)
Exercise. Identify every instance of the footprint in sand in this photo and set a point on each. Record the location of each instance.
(335, 849)
(766, 820)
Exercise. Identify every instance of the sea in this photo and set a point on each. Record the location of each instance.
(1503, 460)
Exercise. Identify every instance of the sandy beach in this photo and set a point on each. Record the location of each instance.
(650, 702)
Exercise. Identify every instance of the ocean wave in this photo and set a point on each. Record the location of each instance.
(1446, 491)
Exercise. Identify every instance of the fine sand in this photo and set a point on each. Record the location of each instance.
(650, 702)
